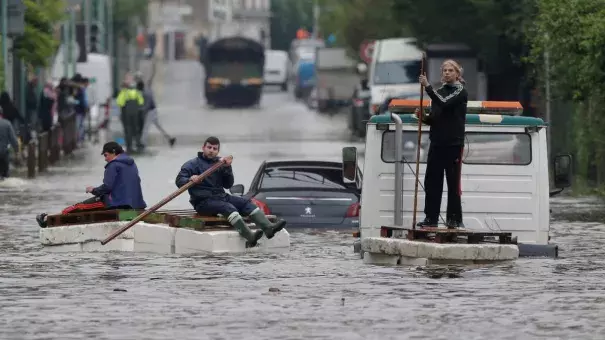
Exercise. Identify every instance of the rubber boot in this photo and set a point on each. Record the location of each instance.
(263, 222)
(41, 219)
(238, 223)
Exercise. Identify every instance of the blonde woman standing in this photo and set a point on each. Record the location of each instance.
(447, 120)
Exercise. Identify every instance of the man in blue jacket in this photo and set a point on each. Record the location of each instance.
(208, 196)
(121, 188)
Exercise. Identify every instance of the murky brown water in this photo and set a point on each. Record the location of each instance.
(324, 290)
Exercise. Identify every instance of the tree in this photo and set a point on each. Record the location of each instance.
(573, 34)
(37, 45)
(288, 16)
(353, 21)
(127, 14)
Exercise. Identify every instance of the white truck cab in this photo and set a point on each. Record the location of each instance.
(505, 175)
(394, 70)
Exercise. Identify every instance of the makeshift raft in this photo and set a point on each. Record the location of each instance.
(424, 246)
(166, 232)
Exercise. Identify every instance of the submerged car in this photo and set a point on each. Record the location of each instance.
(307, 194)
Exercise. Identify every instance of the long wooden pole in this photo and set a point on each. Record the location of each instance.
(163, 202)
(420, 114)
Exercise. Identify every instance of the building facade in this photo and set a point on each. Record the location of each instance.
(176, 22)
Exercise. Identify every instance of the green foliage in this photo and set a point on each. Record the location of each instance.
(573, 35)
(37, 45)
(353, 21)
(288, 16)
(126, 15)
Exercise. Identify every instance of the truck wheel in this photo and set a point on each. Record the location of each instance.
(284, 86)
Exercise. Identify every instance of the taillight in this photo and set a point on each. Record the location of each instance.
(358, 102)
(353, 210)
(261, 205)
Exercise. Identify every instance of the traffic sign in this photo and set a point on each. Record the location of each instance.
(365, 50)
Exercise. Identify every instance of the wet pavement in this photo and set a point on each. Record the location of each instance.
(320, 290)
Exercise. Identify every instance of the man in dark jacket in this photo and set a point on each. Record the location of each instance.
(8, 138)
(209, 198)
(121, 188)
(447, 119)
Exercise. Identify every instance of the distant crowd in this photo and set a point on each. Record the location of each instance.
(52, 104)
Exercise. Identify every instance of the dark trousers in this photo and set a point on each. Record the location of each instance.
(4, 165)
(442, 159)
(224, 206)
(132, 129)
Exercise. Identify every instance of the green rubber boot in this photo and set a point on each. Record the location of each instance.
(238, 223)
(263, 222)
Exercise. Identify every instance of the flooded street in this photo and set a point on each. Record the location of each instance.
(324, 291)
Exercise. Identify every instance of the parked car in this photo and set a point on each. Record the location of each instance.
(307, 194)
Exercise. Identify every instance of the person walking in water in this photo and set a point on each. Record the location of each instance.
(151, 115)
(447, 119)
(8, 138)
(131, 102)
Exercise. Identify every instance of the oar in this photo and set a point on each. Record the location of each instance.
(420, 114)
(164, 201)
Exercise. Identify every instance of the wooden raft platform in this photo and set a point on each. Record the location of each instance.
(444, 235)
(174, 218)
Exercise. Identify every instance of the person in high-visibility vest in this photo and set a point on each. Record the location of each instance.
(130, 100)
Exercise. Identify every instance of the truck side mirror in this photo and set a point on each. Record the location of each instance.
(349, 164)
(362, 68)
(237, 189)
(562, 171)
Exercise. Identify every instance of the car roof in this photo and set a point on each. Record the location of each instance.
(302, 163)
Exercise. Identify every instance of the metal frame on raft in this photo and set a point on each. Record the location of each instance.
(173, 218)
(437, 235)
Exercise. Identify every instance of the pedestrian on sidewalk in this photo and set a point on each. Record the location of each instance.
(151, 115)
(8, 138)
(46, 107)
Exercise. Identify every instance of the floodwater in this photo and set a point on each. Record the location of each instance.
(319, 290)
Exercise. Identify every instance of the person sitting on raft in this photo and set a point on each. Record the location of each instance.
(208, 196)
(121, 188)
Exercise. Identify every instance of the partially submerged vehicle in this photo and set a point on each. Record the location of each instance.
(234, 70)
(163, 232)
(505, 175)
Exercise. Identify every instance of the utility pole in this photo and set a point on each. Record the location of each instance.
(316, 13)
(548, 111)
(5, 64)
(101, 25)
(87, 22)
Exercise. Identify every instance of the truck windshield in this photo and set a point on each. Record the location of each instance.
(397, 72)
(485, 148)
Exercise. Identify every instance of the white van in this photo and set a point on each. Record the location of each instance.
(276, 68)
(394, 70)
(505, 176)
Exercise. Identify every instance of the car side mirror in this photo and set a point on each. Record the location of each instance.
(562, 171)
(349, 164)
(237, 190)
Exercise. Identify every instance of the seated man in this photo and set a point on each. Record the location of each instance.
(209, 198)
(121, 188)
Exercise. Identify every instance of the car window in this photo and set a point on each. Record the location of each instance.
(302, 177)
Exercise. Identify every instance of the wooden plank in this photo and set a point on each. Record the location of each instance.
(86, 217)
(179, 218)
